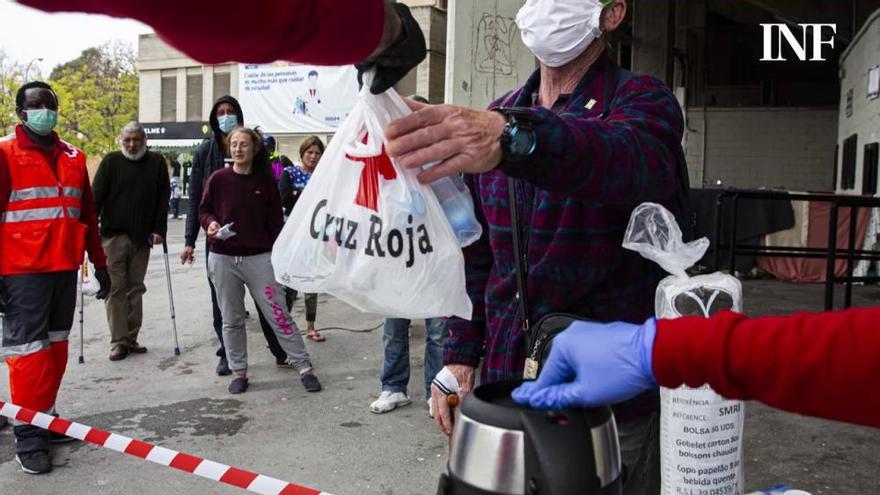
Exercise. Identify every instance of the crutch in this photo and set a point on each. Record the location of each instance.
(170, 297)
(82, 300)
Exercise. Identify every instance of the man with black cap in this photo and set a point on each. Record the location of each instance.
(209, 157)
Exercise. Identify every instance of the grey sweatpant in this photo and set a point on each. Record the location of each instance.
(230, 275)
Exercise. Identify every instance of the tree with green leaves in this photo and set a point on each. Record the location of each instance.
(98, 95)
(11, 74)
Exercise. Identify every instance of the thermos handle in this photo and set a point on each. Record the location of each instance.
(554, 443)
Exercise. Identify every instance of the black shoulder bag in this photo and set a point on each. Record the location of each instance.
(539, 336)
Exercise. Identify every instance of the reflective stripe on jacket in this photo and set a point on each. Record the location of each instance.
(41, 231)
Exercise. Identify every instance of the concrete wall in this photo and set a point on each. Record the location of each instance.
(791, 148)
(863, 54)
(651, 38)
(428, 78)
(149, 109)
(485, 55)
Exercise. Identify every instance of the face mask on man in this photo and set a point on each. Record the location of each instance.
(227, 122)
(41, 121)
(557, 31)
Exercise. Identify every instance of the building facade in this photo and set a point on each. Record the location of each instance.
(858, 137)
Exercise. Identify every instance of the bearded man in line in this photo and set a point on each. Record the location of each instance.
(131, 195)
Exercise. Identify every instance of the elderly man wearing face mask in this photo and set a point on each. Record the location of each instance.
(584, 143)
(131, 195)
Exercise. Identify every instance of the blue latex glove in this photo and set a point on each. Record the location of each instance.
(593, 364)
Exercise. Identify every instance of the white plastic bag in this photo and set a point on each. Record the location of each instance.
(700, 431)
(365, 230)
(90, 285)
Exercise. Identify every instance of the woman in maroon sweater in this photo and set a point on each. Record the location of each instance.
(241, 213)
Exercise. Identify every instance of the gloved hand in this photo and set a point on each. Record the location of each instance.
(104, 280)
(593, 364)
(404, 53)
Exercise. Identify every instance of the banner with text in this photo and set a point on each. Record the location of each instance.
(285, 97)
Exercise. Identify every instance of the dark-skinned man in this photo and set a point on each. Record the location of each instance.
(48, 222)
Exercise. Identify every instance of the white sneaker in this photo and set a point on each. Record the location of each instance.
(389, 401)
(430, 409)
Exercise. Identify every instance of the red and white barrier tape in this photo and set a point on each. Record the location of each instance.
(250, 481)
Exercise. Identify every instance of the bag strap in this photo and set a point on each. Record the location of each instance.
(516, 225)
(519, 256)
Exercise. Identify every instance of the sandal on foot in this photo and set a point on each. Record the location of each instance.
(315, 337)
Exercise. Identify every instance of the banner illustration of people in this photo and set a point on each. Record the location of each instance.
(284, 97)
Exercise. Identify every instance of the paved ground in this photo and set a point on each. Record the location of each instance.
(330, 440)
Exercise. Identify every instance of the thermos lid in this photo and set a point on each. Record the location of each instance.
(501, 447)
(491, 405)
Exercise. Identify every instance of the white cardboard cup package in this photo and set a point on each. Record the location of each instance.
(367, 232)
(700, 431)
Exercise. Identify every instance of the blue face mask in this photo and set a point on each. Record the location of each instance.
(41, 121)
(227, 122)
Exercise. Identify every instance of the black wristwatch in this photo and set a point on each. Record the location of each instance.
(518, 140)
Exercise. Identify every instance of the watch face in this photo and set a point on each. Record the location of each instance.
(521, 143)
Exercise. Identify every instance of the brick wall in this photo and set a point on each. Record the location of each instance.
(791, 148)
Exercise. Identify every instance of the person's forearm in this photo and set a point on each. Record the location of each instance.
(195, 197)
(822, 365)
(467, 338)
(89, 216)
(322, 32)
(99, 185)
(206, 210)
(629, 157)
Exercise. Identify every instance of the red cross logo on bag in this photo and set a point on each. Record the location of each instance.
(368, 189)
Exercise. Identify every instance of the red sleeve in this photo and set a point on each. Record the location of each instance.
(825, 365)
(322, 32)
(89, 215)
(5, 184)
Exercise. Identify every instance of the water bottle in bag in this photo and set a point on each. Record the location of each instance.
(458, 206)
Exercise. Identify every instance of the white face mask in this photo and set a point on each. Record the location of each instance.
(557, 31)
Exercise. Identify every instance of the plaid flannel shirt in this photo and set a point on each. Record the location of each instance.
(592, 166)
